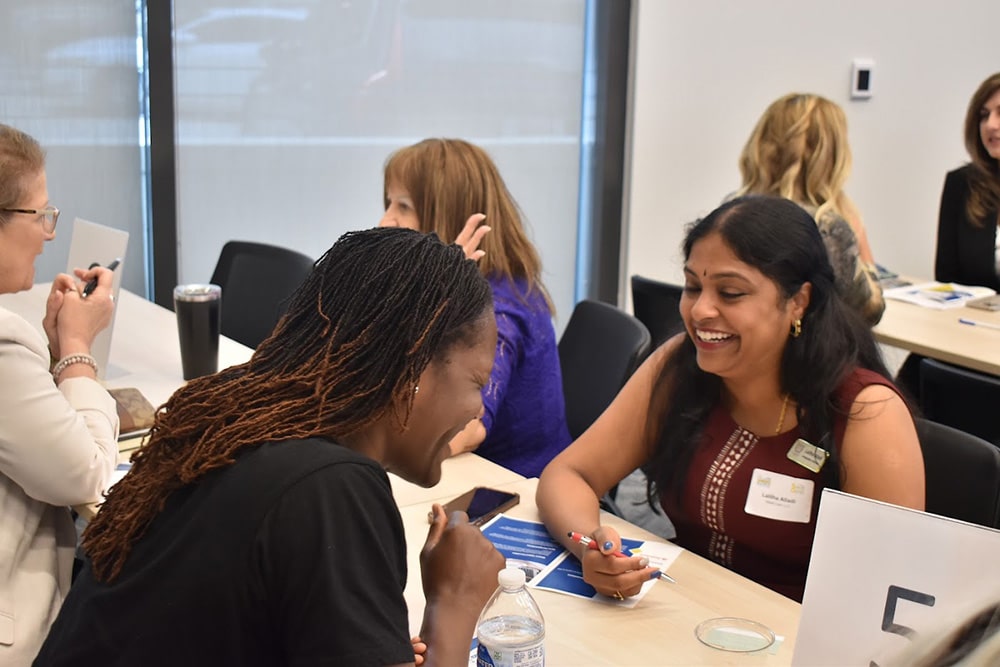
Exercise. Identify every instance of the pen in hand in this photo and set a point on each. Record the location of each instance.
(92, 283)
(586, 541)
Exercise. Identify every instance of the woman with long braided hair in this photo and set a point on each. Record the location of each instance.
(257, 526)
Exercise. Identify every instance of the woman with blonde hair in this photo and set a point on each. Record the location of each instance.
(450, 187)
(799, 151)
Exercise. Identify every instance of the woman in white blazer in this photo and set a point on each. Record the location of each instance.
(58, 426)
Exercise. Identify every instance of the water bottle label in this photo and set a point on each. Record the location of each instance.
(500, 656)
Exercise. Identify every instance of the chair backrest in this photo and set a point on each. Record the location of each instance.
(961, 398)
(256, 279)
(657, 305)
(962, 474)
(599, 350)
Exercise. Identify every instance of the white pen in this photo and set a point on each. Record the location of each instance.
(976, 323)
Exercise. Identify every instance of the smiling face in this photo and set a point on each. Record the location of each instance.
(736, 316)
(23, 237)
(449, 396)
(399, 211)
(989, 125)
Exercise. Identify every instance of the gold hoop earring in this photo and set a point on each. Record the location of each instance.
(796, 328)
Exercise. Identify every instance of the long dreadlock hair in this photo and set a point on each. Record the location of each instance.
(378, 307)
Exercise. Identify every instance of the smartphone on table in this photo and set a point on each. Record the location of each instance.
(481, 504)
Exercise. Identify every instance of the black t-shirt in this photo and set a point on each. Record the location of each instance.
(293, 555)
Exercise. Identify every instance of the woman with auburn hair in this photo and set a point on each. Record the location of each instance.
(968, 251)
(257, 525)
(58, 425)
(775, 390)
(450, 187)
(968, 246)
(799, 151)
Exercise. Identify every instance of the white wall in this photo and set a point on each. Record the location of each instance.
(704, 72)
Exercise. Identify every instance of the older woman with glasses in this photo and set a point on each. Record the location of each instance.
(58, 426)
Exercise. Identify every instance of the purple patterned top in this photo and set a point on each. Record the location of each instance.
(525, 415)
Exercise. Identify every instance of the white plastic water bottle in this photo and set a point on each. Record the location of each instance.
(511, 630)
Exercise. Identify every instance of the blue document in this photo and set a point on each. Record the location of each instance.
(546, 564)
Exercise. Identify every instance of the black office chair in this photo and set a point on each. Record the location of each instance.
(256, 279)
(962, 474)
(599, 350)
(657, 305)
(961, 398)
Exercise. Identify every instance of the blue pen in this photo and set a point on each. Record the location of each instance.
(975, 323)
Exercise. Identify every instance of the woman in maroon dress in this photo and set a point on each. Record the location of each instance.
(775, 390)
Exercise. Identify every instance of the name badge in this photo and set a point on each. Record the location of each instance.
(808, 455)
(779, 497)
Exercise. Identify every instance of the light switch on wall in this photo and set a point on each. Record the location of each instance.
(861, 78)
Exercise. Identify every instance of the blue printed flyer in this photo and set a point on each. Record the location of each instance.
(548, 566)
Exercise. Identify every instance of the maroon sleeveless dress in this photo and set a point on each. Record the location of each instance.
(711, 519)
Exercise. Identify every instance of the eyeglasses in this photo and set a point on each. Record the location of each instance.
(50, 215)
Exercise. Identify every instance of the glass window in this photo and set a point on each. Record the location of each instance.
(283, 103)
(69, 77)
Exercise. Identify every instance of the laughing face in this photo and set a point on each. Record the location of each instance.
(989, 125)
(449, 396)
(736, 316)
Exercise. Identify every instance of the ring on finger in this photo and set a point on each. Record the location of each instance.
(618, 596)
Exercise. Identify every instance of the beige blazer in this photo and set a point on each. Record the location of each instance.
(58, 447)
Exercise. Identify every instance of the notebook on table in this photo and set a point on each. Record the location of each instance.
(881, 575)
(135, 416)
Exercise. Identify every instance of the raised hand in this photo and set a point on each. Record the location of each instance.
(458, 566)
(472, 235)
(458, 562)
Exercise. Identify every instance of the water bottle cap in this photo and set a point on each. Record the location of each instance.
(511, 577)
